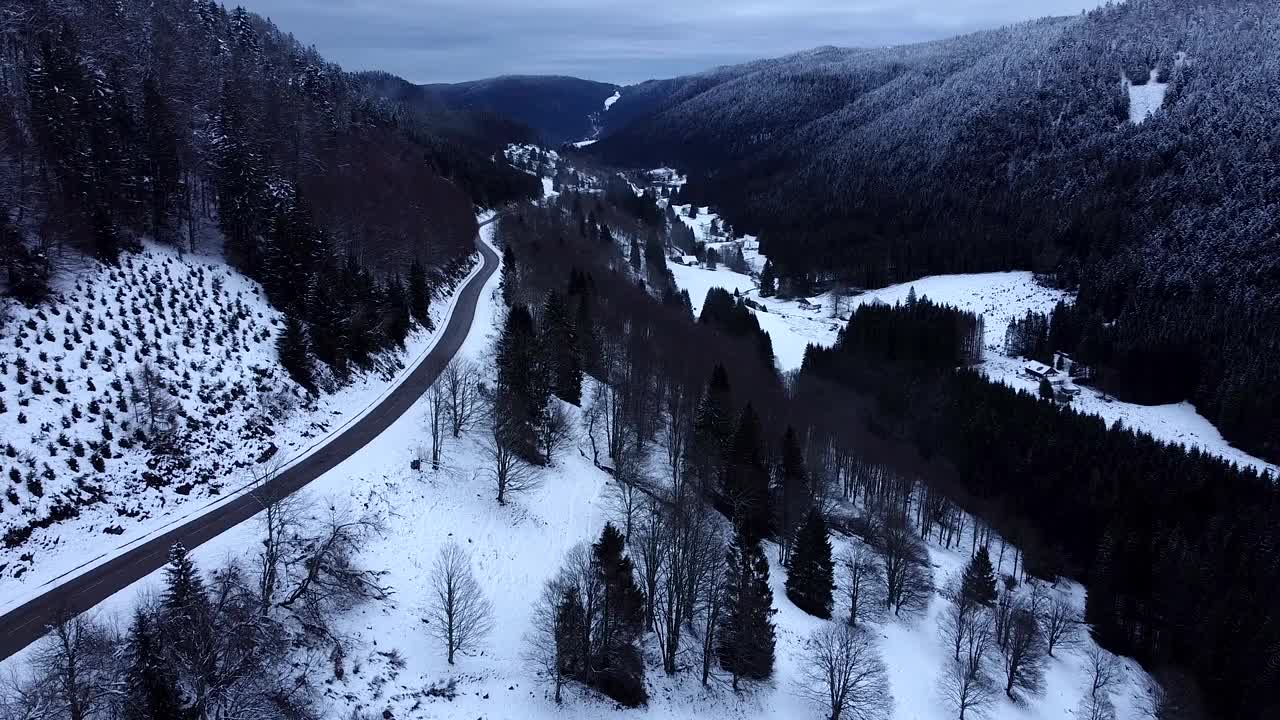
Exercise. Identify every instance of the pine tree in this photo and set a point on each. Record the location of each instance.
(510, 277)
(295, 355)
(27, 270)
(570, 629)
(328, 321)
(616, 666)
(746, 633)
(978, 584)
(1046, 389)
(360, 294)
(59, 92)
(564, 352)
(184, 593)
(744, 485)
(105, 235)
(419, 295)
(152, 691)
(159, 155)
(523, 388)
(396, 314)
(185, 624)
(768, 282)
(811, 573)
(635, 255)
(712, 432)
(794, 493)
(239, 178)
(584, 324)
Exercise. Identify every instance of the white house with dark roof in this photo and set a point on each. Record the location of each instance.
(1040, 371)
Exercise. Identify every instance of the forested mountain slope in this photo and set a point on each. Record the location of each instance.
(180, 119)
(559, 109)
(1014, 148)
(203, 137)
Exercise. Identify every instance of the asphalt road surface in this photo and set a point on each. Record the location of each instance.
(28, 623)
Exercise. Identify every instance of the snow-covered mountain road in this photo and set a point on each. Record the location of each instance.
(28, 622)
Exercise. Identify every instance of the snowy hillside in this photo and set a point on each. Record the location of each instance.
(141, 394)
(1146, 98)
(998, 297)
(391, 667)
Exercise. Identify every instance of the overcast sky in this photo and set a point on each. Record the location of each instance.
(619, 41)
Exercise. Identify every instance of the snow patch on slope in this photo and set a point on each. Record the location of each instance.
(1145, 99)
(609, 101)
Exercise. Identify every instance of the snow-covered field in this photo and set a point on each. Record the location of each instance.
(391, 659)
(998, 297)
(72, 465)
(790, 328)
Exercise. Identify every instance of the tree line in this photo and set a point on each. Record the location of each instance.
(211, 129)
(1171, 542)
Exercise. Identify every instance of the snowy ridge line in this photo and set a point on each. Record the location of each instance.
(35, 591)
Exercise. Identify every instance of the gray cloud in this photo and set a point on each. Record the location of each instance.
(616, 41)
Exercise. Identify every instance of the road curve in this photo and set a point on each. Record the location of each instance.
(27, 623)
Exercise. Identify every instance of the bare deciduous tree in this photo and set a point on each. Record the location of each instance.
(328, 576)
(959, 620)
(554, 430)
(1103, 673)
(864, 584)
(1060, 623)
(153, 405)
(690, 556)
(965, 683)
(967, 691)
(625, 495)
(1023, 652)
(647, 549)
(678, 413)
(592, 418)
(75, 673)
(842, 671)
(437, 418)
(460, 378)
(237, 665)
(511, 474)
(907, 582)
(711, 594)
(459, 614)
(282, 523)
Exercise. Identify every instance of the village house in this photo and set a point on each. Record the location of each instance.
(1040, 371)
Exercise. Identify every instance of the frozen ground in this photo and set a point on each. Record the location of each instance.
(209, 336)
(515, 549)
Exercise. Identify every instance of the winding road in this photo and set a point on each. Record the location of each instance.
(27, 623)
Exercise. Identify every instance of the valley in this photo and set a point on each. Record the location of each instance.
(391, 664)
(926, 380)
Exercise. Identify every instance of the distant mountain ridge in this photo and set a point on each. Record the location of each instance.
(559, 109)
